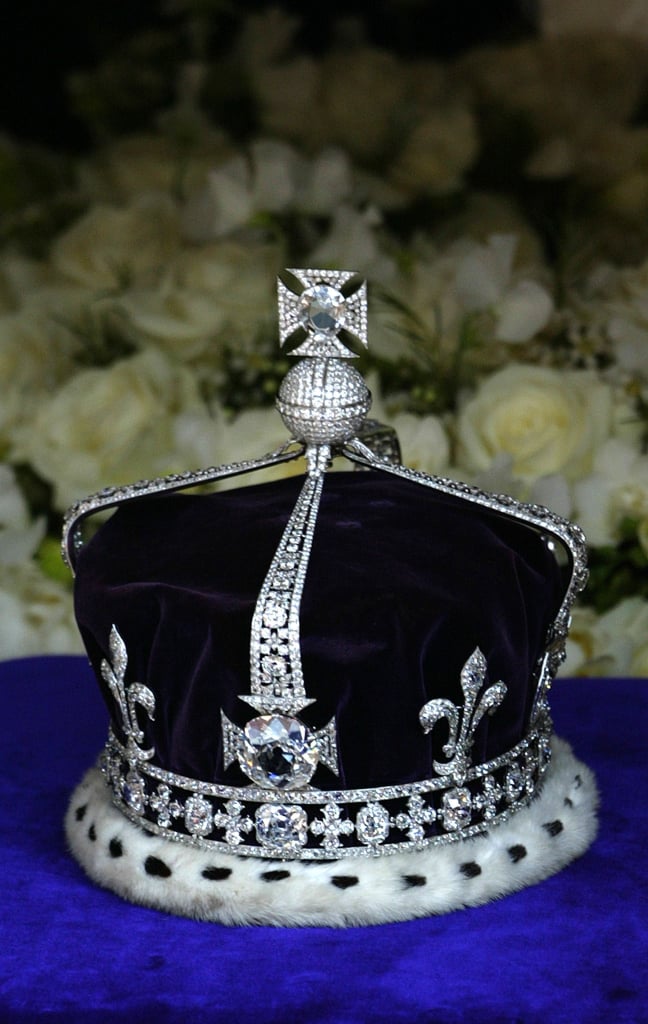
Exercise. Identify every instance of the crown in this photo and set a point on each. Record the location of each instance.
(348, 667)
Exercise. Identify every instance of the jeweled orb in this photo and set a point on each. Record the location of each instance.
(278, 752)
(323, 401)
(321, 309)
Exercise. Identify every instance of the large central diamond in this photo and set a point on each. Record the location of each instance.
(321, 309)
(278, 752)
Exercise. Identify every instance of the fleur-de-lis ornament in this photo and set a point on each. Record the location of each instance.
(463, 722)
(127, 698)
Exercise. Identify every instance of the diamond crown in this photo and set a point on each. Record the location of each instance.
(279, 811)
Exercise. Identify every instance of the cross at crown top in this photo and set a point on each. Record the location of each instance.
(322, 311)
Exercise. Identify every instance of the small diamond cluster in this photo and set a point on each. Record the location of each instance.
(276, 678)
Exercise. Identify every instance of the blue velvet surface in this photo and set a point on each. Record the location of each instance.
(572, 949)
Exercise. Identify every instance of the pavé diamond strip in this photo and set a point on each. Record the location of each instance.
(276, 677)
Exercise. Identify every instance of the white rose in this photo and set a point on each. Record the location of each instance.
(353, 242)
(238, 281)
(250, 435)
(437, 153)
(423, 441)
(35, 356)
(486, 280)
(617, 487)
(580, 649)
(36, 614)
(177, 320)
(547, 421)
(139, 164)
(109, 245)
(19, 537)
(621, 635)
(612, 644)
(326, 183)
(225, 204)
(273, 179)
(110, 426)
(19, 279)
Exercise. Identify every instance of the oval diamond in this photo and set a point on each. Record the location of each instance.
(372, 824)
(133, 791)
(278, 752)
(457, 808)
(199, 818)
(281, 829)
(321, 309)
(514, 783)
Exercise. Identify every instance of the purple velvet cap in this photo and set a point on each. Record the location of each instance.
(403, 584)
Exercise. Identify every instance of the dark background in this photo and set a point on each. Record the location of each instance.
(41, 43)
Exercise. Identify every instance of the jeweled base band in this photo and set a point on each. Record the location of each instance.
(537, 841)
(312, 824)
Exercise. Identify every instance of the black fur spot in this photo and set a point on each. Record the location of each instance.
(92, 833)
(216, 874)
(517, 852)
(470, 869)
(344, 881)
(115, 847)
(414, 881)
(568, 802)
(155, 866)
(275, 876)
(79, 814)
(554, 828)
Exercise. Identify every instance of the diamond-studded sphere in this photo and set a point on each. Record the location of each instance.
(323, 401)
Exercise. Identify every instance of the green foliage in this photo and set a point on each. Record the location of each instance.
(51, 562)
(104, 335)
(439, 367)
(617, 571)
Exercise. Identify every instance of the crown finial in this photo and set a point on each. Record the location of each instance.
(321, 400)
(322, 311)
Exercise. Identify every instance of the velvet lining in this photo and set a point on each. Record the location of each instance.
(403, 583)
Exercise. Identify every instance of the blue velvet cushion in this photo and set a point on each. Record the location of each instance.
(403, 584)
(572, 950)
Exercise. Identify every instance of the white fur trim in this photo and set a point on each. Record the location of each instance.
(529, 847)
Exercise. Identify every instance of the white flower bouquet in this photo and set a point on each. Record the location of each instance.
(497, 203)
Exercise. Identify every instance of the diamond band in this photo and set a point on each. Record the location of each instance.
(320, 824)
